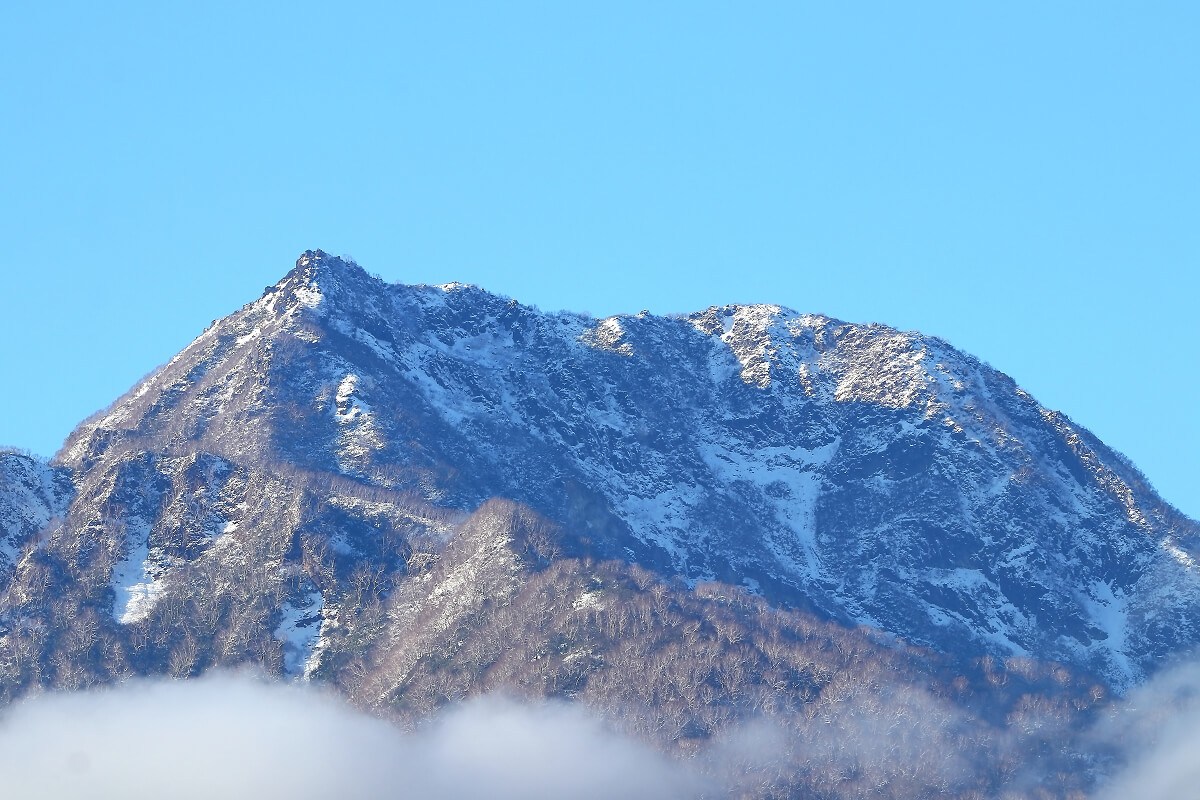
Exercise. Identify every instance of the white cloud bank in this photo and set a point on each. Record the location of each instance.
(238, 738)
(1156, 731)
(233, 738)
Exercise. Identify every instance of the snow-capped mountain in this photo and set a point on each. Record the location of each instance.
(340, 426)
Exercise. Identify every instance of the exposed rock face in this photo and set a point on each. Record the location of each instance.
(330, 432)
(32, 496)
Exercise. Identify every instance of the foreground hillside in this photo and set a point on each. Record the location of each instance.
(693, 523)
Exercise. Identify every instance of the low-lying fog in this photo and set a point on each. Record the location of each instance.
(235, 737)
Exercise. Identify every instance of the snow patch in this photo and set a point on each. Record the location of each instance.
(607, 335)
(309, 296)
(1177, 553)
(588, 600)
(137, 579)
(349, 406)
(300, 632)
(249, 337)
(1108, 609)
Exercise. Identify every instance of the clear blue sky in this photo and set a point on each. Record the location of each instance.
(1023, 180)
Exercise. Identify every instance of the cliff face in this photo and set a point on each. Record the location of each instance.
(32, 496)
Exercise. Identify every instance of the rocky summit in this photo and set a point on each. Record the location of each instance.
(346, 478)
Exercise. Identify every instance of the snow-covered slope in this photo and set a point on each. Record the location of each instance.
(32, 496)
(874, 476)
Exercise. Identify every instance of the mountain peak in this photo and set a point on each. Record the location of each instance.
(317, 265)
(319, 259)
(316, 276)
